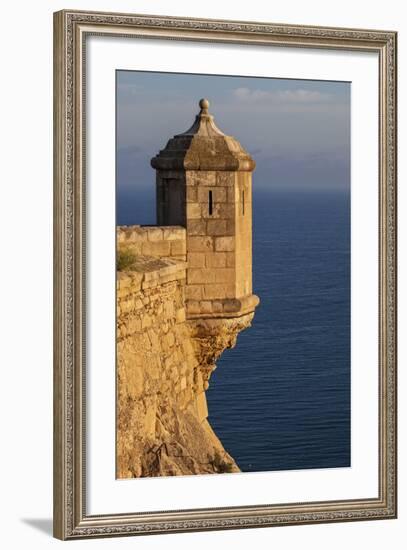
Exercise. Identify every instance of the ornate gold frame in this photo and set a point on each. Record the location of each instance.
(70, 31)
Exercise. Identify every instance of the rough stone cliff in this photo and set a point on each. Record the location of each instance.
(164, 362)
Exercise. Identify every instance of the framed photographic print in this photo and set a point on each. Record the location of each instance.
(225, 274)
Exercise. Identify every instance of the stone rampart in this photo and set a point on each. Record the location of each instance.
(159, 242)
(163, 367)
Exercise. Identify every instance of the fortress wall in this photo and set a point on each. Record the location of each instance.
(162, 426)
(219, 235)
(160, 242)
(210, 242)
(243, 238)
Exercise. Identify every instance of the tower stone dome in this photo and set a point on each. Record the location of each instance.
(203, 147)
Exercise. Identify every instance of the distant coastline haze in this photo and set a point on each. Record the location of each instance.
(298, 131)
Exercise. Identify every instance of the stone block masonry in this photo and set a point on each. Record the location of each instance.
(210, 275)
(163, 369)
(218, 242)
(158, 242)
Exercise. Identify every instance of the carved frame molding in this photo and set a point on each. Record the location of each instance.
(70, 31)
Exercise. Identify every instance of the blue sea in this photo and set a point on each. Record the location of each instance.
(280, 399)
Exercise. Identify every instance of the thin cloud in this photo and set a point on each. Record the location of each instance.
(130, 150)
(299, 96)
(128, 91)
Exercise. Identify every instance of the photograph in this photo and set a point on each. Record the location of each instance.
(233, 273)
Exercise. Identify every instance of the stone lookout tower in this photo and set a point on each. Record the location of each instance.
(204, 183)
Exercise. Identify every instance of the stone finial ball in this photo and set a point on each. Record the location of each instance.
(204, 104)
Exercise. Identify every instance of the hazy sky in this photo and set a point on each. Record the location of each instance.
(298, 131)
